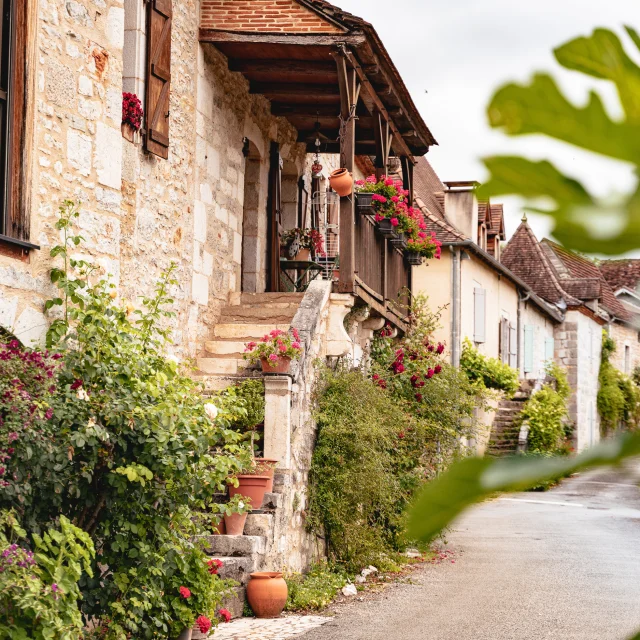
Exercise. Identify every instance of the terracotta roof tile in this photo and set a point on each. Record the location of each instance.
(444, 231)
(428, 187)
(482, 212)
(497, 221)
(621, 273)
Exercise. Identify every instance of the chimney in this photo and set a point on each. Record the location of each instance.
(461, 207)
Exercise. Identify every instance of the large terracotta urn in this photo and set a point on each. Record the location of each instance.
(267, 594)
(341, 182)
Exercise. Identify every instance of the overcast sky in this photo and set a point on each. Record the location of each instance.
(460, 51)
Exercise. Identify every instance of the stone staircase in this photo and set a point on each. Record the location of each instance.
(242, 555)
(248, 317)
(505, 431)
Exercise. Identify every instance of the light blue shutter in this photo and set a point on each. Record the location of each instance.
(528, 349)
(549, 349)
(513, 347)
(479, 314)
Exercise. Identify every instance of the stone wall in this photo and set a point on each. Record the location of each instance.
(578, 350)
(543, 329)
(140, 213)
(627, 355)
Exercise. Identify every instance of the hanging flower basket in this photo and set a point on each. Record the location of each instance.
(400, 241)
(413, 258)
(364, 203)
(386, 229)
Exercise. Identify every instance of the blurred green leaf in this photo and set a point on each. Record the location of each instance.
(475, 479)
(602, 56)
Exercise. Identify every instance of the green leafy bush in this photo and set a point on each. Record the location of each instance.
(119, 441)
(382, 434)
(315, 590)
(488, 373)
(618, 396)
(546, 414)
(39, 591)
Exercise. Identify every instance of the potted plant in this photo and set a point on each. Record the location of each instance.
(422, 245)
(267, 594)
(302, 244)
(132, 113)
(235, 514)
(364, 202)
(275, 351)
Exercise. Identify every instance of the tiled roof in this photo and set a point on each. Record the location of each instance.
(621, 274)
(428, 187)
(482, 213)
(525, 257)
(444, 231)
(585, 271)
(497, 221)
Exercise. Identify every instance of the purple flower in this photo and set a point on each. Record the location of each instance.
(55, 588)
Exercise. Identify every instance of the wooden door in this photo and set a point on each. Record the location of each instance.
(274, 212)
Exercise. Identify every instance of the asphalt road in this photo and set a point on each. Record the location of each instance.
(563, 564)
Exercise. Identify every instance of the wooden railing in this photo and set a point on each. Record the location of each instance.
(381, 271)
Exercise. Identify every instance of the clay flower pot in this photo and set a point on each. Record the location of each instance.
(282, 366)
(341, 182)
(234, 524)
(267, 468)
(253, 487)
(303, 255)
(186, 634)
(267, 594)
(219, 529)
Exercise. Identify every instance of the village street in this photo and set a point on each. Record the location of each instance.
(563, 564)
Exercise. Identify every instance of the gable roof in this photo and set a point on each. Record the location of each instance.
(497, 221)
(428, 186)
(621, 274)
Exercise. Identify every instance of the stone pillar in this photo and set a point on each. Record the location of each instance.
(277, 419)
(338, 340)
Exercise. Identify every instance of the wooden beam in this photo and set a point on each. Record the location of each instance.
(215, 36)
(407, 176)
(402, 146)
(308, 68)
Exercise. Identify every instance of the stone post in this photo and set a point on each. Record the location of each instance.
(277, 419)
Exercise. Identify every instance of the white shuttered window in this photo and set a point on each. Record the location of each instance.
(479, 314)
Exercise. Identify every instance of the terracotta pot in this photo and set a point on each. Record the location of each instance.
(219, 529)
(267, 594)
(267, 468)
(336, 274)
(341, 182)
(282, 366)
(303, 255)
(234, 524)
(253, 487)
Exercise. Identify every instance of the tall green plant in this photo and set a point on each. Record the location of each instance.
(486, 372)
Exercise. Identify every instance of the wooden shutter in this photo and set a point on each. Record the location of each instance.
(274, 217)
(513, 346)
(504, 341)
(549, 349)
(479, 315)
(528, 349)
(158, 77)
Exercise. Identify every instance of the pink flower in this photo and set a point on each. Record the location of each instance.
(225, 615)
(395, 199)
(296, 335)
(400, 368)
(76, 385)
(440, 349)
(359, 183)
(251, 346)
(184, 592)
(371, 179)
(273, 357)
(422, 234)
(388, 182)
(282, 348)
(438, 369)
(203, 623)
(395, 222)
(49, 414)
(296, 345)
(430, 374)
(215, 566)
(379, 217)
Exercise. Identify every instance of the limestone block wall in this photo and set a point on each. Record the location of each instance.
(140, 213)
(627, 355)
(578, 347)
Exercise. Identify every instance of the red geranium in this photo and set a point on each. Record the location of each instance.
(132, 111)
(204, 624)
(184, 592)
(225, 615)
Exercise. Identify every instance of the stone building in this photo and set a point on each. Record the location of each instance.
(236, 96)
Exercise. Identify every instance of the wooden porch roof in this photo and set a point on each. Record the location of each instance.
(298, 73)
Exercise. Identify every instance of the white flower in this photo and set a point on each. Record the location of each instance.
(240, 505)
(211, 410)
(91, 423)
(83, 395)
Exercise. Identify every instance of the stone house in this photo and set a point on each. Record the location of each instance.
(577, 288)
(237, 96)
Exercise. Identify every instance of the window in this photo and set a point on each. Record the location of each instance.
(479, 314)
(14, 222)
(549, 349)
(528, 348)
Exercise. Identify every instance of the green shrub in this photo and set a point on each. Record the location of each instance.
(114, 436)
(315, 590)
(618, 396)
(39, 594)
(546, 414)
(489, 373)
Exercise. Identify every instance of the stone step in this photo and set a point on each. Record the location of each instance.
(237, 568)
(245, 332)
(265, 298)
(234, 546)
(219, 382)
(258, 315)
(234, 604)
(511, 404)
(224, 365)
(225, 348)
